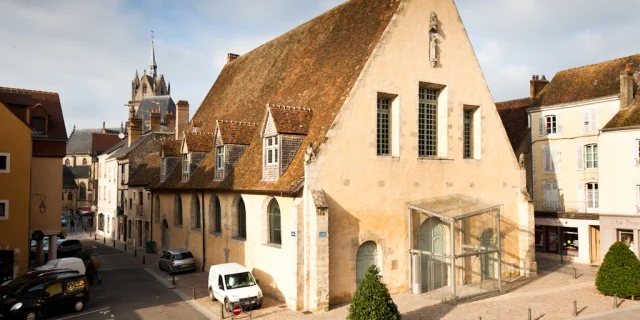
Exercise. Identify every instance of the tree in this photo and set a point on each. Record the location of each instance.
(619, 273)
(372, 299)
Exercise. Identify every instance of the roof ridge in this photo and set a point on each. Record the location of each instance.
(19, 90)
(289, 107)
(601, 62)
(244, 123)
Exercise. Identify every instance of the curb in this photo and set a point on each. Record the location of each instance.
(182, 295)
(609, 313)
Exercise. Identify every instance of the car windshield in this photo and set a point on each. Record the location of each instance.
(239, 280)
(182, 256)
(30, 291)
(15, 284)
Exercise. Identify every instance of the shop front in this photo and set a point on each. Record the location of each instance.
(566, 238)
(623, 228)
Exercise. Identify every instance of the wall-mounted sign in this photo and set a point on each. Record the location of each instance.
(322, 234)
(293, 233)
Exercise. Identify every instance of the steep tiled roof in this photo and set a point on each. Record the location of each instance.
(314, 66)
(68, 179)
(291, 120)
(19, 99)
(199, 142)
(586, 82)
(629, 117)
(235, 132)
(117, 146)
(514, 119)
(171, 148)
(102, 142)
(126, 149)
(81, 172)
(148, 170)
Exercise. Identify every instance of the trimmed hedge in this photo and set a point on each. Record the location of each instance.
(619, 273)
(372, 299)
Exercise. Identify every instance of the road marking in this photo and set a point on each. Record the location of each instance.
(86, 313)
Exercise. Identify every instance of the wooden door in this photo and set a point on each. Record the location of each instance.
(594, 245)
(367, 256)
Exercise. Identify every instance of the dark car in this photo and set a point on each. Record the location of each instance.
(66, 248)
(177, 260)
(44, 293)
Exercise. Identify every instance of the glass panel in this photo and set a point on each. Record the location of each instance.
(468, 117)
(569, 239)
(539, 238)
(383, 127)
(552, 239)
(626, 236)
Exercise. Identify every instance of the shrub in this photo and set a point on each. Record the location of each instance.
(372, 299)
(619, 273)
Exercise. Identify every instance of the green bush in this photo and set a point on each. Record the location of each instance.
(372, 299)
(619, 273)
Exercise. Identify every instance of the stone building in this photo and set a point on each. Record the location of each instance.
(364, 136)
(150, 91)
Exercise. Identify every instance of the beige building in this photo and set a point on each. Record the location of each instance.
(364, 136)
(566, 122)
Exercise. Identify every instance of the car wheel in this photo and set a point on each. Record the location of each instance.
(78, 306)
(227, 305)
(31, 315)
(211, 295)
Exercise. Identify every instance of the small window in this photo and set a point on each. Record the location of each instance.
(467, 134)
(427, 122)
(220, 158)
(185, 167)
(38, 125)
(272, 151)
(4, 209)
(592, 196)
(591, 156)
(4, 163)
(382, 127)
(550, 124)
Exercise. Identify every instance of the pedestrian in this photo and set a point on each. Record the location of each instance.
(93, 268)
(73, 224)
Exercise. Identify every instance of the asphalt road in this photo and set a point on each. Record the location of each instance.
(129, 292)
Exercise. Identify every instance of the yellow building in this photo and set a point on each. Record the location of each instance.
(41, 111)
(15, 166)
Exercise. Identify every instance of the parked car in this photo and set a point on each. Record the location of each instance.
(46, 295)
(66, 248)
(177, 260)
(233, 284)
(13, 285)
(65, 263)
(63, 221)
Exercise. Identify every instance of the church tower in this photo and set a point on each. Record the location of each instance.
(150, 84)
(152, 68)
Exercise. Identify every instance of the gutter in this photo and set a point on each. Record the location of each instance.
(620, 128)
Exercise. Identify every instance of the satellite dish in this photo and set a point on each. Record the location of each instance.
(121, 135)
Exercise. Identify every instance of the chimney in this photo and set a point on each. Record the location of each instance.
(232, 56)
(182, 117)
(154, 119)
(170, 120)
(135, 130)
(536, 85)
(626, 87)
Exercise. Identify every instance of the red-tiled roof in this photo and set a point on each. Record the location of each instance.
(291, 120)
(514, 119)
(19, 99)
(629, 117)
(102, 142)
(199, 142)
(236, 132)
(315, 66)
(171, 148)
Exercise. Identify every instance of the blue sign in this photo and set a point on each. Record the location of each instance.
(323, 234)
(293, 233)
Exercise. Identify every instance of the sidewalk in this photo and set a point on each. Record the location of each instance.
(550, 296)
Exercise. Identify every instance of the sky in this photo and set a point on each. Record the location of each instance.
(88, 50)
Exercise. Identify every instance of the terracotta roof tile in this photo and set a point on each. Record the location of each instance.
(147, 171)
(171, 148)
(586, 82)
(236, 132)
(315, 66)
(103, 142)
(291, 120)
(629, 117)
(514, 119)
(199, 142)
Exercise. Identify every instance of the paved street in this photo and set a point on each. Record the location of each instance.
(129, 292)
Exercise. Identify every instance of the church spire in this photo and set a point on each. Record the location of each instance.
(152, 60)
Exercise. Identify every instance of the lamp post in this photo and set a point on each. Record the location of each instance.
(43, 206)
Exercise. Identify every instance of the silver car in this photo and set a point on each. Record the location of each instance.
(177, 260)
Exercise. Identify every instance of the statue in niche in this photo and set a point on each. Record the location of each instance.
(433, 39)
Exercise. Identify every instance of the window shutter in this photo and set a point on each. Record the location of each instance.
(581, 197)
(540, 126)
(580, 157)
(585, 121)
(544, 159)
(559, 123)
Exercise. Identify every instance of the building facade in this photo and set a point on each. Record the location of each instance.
(107, 211)
(279, 184)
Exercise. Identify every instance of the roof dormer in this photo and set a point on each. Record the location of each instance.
(194, 148)
(39, 120)
(230, 141)
(283, 130)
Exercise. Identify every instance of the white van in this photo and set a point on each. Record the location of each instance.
(64, 263)
(233, 284)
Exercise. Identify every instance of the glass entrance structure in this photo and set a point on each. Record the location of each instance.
(455, 249)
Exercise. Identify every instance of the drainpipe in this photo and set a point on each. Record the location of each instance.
(151, 220)
(204, 232)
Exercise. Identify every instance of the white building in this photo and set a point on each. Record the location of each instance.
(108, 192)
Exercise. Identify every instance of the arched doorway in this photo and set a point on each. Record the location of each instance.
(433, 264)
(367, 256)
(165, 235)
(486, 241)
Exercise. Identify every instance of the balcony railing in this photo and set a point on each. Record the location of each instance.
(566, 206)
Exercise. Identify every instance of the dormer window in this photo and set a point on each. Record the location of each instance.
(220, 158)
(271, 151)
(163, 169)
(38, 125)
(185, 167)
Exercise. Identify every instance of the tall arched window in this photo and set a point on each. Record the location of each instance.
(82, 191)
(84, 162)
(177, 210)
(215, 215)
(241, 221)
(67, 162)
(275, 235)
(195, 212)
(156, 209)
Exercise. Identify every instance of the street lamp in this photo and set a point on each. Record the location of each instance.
(42, 207)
